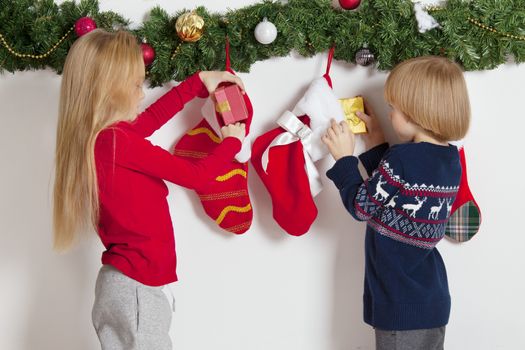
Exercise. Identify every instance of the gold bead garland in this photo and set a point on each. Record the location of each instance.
(41, 56)
(434, 9)
(176, 51)
(492, 30)
(482, 26)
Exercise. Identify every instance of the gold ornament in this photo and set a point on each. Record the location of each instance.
(190, 27)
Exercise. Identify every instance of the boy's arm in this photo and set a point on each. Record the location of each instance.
(372, 157)
(162, 110)
(361, 198)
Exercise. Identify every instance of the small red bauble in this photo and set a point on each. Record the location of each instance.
(349, 4)
(84, 25)
(148, 53)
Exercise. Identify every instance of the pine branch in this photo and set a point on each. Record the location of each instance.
(387, 27)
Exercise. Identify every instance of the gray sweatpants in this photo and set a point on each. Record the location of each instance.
(129, 315)
(419, 339)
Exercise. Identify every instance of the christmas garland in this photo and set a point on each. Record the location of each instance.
(36, 34)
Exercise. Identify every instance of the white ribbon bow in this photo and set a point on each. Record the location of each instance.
(296, 131)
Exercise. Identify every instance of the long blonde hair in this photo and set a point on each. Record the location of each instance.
(431, 91)
(97, 82)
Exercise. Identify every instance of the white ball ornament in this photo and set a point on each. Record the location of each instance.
(265, 32)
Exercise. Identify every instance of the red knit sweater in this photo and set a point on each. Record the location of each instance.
(135, 224)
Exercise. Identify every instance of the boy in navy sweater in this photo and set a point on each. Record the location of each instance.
(406, 201)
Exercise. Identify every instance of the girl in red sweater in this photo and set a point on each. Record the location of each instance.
(109, 176)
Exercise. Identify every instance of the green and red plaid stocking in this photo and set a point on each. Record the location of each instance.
(465, 219)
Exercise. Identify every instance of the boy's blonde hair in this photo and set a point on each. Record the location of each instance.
(99, 74)
(431, 91)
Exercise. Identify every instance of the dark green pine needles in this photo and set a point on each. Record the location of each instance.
(387, 27)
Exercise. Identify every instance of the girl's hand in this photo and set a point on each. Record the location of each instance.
(339, 140)
(237, 130)
(212, 79)
(374, 136)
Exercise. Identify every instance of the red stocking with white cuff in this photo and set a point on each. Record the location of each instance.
(284, 157)
(226, 200)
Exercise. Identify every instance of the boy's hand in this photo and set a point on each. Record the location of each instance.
(212, 79)
(237, 130)
(374, 136)
(339, 140)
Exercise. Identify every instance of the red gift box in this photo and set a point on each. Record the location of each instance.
(230, 104)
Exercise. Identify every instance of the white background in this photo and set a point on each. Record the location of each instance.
(264, 289)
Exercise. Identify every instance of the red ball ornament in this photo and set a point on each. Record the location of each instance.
(349, 4)
(84, 25)
(148, 53)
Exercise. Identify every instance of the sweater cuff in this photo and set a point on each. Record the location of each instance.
(372, 157)
(197, 86)
(345, 172)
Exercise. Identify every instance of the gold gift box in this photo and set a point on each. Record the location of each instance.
(350, 106)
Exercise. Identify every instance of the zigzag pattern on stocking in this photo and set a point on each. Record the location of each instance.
(226, 200)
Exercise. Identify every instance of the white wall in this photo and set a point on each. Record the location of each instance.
(265, 289)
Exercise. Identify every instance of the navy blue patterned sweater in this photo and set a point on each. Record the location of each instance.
(406, 202)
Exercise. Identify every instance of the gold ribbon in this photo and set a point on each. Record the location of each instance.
(223, 106)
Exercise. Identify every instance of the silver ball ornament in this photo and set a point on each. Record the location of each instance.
(364, 57)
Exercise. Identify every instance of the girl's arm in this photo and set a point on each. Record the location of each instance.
(199, 84)
(162, 110)
(138, 154)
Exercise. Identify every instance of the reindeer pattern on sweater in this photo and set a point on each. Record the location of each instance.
(406, 202)
(413, 213)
